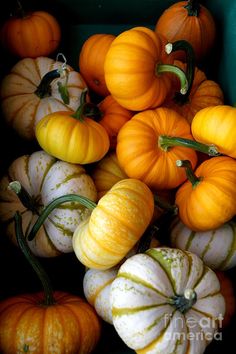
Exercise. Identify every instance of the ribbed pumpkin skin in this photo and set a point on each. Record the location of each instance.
(72, 140)
(115, 225)
(216, 125)
(91, 61)
(69, 326)
(204, 93)
(212, 202)
(140, 155)
(200, 32)
(106, 173)
(36, 34)
(45, 179)
(217, 248)
(22, 108)
(130, 66)
(140, 301)
(114, 116)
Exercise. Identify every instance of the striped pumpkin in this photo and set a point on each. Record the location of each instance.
(217, 248)
(45, 179)
(166, 301)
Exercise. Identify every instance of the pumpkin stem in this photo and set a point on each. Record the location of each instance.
(163, 204)
(166, 142)
(54, 204)
(168, 68)
(20, 12)
(184, 302)
(189, 172)
(87, 109)
(35, 264)
(193, 8)
(23, 195)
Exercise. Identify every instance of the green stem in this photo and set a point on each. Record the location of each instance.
(193, 8)
(163, 204)
(87, 109)
(35, 264)
(168, 68)
(23, 195)
(53, 205)
(184, 302)
(44, 89)
(166, 142)
(189, 172)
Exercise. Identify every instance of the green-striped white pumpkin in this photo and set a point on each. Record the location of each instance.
(45, 179)
(166, 301)
(217, 248)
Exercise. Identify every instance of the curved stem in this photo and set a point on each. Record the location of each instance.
(193, 8)
(184, 302)
(44, 88)
(168, 68)
(87, 109)
(23, 195)
(54, 204)
(163, 204)
(189, 172)
(35, 264)
(166, 142)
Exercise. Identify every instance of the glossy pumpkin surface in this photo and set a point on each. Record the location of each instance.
(70, 325)
(212, 201)
(115, 225)
(45, 179)
(216, 125)
(33, 35)
(143, 296)
(141, 156)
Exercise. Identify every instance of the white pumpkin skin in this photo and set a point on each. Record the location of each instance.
(217, 248)
(45, 179)
(22, 108)
(143, 309)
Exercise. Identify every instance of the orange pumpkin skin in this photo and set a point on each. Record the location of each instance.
(141, 157)
(114, 116)
(91, 61)
(130, 66)
(216, 125)
(227, 290)
(36, 34)
(68, 326)
(175, 23)
(212, 202)
(204, 93)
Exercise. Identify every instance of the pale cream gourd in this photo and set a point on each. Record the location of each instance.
(45, 179)
(166, 301)
(217, 248)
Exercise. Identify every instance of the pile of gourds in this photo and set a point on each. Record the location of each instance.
(157, 144)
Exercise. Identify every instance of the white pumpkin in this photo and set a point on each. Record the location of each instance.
(166, 301)
(45, 178)
(23, 106)
(217, 248)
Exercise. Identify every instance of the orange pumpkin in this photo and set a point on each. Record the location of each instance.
(142, 153)
(136, 70)
(91, 61)
(208, 199)
(31, 35)
(114, 116)
(191, 21)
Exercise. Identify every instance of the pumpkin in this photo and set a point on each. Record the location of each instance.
(106, 173)
(47, 321)
(203, 93)
(188, 20)
(136, 69)
(72, 136)
(166, 301)
(216, 125)
(32, 34)
(208, 199)
(44, 179)
(91, 61)
(113, 117)
(227, 290)
(143, 154)
(116, 224)
(217, 248)
(32, 89)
